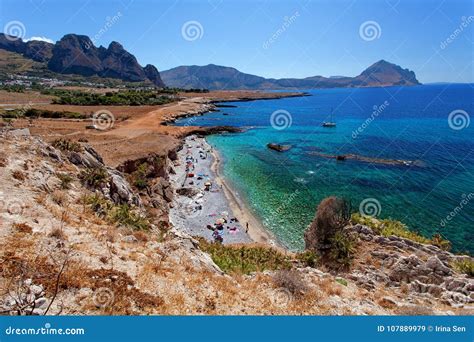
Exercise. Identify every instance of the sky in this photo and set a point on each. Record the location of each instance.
(279, 38)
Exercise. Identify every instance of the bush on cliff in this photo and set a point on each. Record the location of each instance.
(66, 145)
(122, 215)
(325, 234)
(465, 266)
(245, 259)
(94, 177)
(389, 227)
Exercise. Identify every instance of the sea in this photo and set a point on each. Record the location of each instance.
(426, 129)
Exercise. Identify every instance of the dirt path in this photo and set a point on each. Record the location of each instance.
(151, 122)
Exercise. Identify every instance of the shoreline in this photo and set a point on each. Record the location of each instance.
(204, 105)
(257, 231)
(198, 208)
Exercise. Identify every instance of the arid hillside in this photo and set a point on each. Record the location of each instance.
(78, 237)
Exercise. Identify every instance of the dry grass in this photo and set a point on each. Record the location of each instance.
(26, 165)
(3, 159)
(19, 175)
(290, 280)
(386, 303)
(141, 236)
(330, 287)
(22, 228)
(58, 233)
(41, 199)
(110, 234)
(59, 197)
(19, 259)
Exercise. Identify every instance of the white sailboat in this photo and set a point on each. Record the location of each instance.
(329, 123)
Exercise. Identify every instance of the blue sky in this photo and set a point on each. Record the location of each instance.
(319, 38)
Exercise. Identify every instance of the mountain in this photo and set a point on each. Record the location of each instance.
(38, 51)
(381, 73)
(77, 54)
(210, 77)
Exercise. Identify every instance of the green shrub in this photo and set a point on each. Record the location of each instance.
(118, 214)
(66, 145)
(389, 227)
(94, 177)
(332, 215)
(100, 205)
(14, 88)
(123, 215)
(308, 258)
(42, 113)
(245, 259)
(139, 177)
(65, 179)
(441, 242)
(341, 281)
(465, 266)
(342, 250)
(392, 227)
(119, 98)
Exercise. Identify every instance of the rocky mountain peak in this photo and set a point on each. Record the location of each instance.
(77, 54)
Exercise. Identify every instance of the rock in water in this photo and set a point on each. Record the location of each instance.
(279, 147)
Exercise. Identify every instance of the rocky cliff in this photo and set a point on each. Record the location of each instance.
(79, 237)
(36, 50)
(77, 54)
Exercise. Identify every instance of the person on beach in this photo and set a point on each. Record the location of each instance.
(247, 227)
(217, 236)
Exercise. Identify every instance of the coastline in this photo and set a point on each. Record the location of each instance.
(197, 209)
(257, 232)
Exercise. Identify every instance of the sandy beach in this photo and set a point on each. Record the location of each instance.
(201, 212)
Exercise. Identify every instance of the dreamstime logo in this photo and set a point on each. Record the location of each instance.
(281, 119)
(458, 119)
(377, 110)
(109, 22)
(192, 30)
(12, 207)
(20, 112)
(370, 30)
(465, 22)
(189, 123)
(287, 202)
(462, 204)
(287, 22)
(103, 120)
(14, 30)
(282, 297)
(370, 207)
(103, 297)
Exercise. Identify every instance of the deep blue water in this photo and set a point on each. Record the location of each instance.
(409, 123)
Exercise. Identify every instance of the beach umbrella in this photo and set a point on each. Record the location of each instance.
(220, 222)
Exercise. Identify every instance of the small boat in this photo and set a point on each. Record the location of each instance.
(330, 123)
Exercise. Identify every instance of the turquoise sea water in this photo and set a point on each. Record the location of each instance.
(409, 123)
